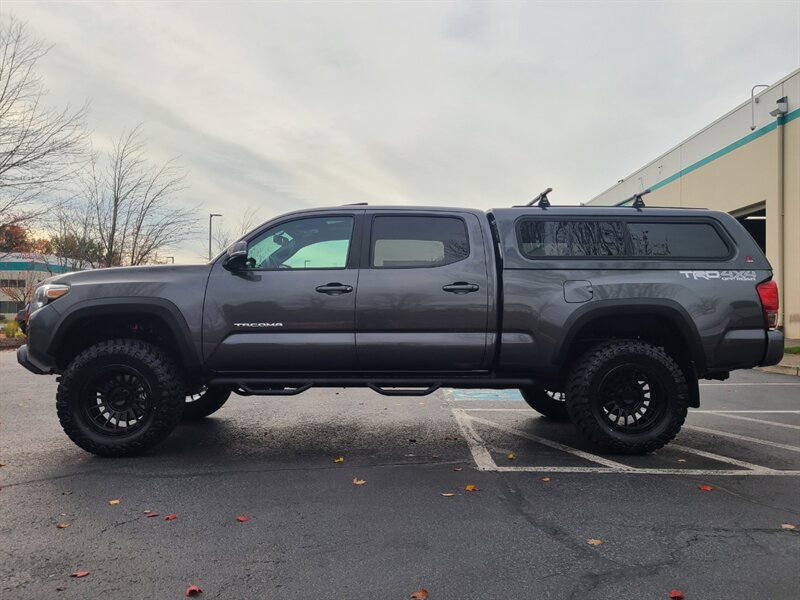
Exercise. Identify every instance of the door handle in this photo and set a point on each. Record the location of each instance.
(334, 289)
(461, 287)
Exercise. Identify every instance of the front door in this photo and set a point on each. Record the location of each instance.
(292, 307)
(423, 293)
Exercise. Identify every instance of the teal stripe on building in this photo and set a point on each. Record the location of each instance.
(795, 114)
(32, 266)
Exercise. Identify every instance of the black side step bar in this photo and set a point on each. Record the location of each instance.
(246, 390)
(396, 391)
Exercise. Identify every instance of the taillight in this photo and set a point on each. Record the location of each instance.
(768, 293)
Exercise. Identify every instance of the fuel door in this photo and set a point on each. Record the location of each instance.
(578, 290)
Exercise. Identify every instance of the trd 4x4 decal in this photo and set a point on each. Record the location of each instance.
(721, 275)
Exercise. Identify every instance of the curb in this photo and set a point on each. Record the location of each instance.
(782, 370)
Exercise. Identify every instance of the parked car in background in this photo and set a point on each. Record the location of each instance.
(22, 319)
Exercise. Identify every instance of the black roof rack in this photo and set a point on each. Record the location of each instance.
(541, 200)
(637, 199)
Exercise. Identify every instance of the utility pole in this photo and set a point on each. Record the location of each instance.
(210, 218)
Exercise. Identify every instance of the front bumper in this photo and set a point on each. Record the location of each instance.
(774, 352)
(25, 360)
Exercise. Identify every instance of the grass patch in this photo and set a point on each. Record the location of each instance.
(792, 350)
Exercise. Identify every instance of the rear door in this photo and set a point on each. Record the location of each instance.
(423, 293)
(292, 308)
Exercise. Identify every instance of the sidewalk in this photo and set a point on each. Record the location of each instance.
(790, 365)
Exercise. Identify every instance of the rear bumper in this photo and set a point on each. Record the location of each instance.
(25, 360)
(774, 352)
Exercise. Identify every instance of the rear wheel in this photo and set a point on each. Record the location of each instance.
(205, 401)
(628, 396)
(120, 398)
(549, 403)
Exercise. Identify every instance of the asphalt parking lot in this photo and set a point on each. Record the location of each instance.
(312, 533)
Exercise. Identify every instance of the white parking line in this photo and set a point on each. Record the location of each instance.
(761, 421)
(694, 472)
(743, 438)
(715, 412)
(550, 443)
(743, 384)
(719, 458)
(482, 457)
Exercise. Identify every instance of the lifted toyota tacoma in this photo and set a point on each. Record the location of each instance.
(607, 317)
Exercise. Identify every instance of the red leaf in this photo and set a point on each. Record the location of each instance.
(706, 488)
(193, 590)
(170, 517)
(80, 574)
(242, 519)
(676, 595)
(420, 594)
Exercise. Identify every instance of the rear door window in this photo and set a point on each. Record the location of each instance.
(545, 238)
(418, 241)
(676, 240)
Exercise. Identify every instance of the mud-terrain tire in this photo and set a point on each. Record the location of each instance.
(205, 402)
(628, 396)
(546, 402)
(120, 398)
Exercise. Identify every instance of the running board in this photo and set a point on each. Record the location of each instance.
(388, 385)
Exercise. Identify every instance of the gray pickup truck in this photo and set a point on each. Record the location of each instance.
(604, 316)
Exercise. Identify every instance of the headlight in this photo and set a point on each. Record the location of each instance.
(45, 294)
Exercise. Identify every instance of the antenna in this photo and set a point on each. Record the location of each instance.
(541, 200)
(638, 203)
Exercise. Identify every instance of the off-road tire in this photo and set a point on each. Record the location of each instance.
(158, 371)
(585, 406)
(542, 401)
(208, 403)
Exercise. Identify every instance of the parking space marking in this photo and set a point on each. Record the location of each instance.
(725, 459)
(745, 384)
(551, 444)
(761, 421)
(485, 462)
(743, 438)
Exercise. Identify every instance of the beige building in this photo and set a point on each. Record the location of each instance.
(746, 163)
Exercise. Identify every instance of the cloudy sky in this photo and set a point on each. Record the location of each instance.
(282, 106)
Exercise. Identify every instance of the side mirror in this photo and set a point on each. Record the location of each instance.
(235, 257)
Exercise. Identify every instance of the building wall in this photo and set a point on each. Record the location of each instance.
(32, 269)
(729, 167)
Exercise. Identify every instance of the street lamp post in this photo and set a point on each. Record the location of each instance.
(210, 218)
(171, 259)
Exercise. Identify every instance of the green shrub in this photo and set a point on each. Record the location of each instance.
(11, 328)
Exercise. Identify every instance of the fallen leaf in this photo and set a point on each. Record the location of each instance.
(357, 481)
(471, 487)
(676, 595)
(511, 456)
(114, 502)
(67, 493)
(706, 488)
(193, 590)
(170, 517)
(62, 525)
(545, 479)
(456, 469)
(150, 514)
(681, 460)
(80, 574)
(594, 542)
(420, 594)
(412, 441)
(2, 465)
(788, 526)
(448, 494)
(451, 438)
(60, 589)
(242, 519)
(338, 459)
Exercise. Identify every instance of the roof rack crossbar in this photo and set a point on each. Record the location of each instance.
(541, 200)
(637, 199)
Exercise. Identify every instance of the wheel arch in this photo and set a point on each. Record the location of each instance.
(69, 336)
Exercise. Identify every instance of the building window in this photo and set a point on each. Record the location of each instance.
(12, 283)
(10, 307)
(418, 242)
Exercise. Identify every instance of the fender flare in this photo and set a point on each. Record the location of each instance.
(158, 307)
(659, 307)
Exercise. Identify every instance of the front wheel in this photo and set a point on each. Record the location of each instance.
(628, 396)
(549, 403)
(205, 401)
(120, 398)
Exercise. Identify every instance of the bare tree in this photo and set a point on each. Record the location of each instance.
(40, 148)
(134, 202)
(225, 234)
(73, 235)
